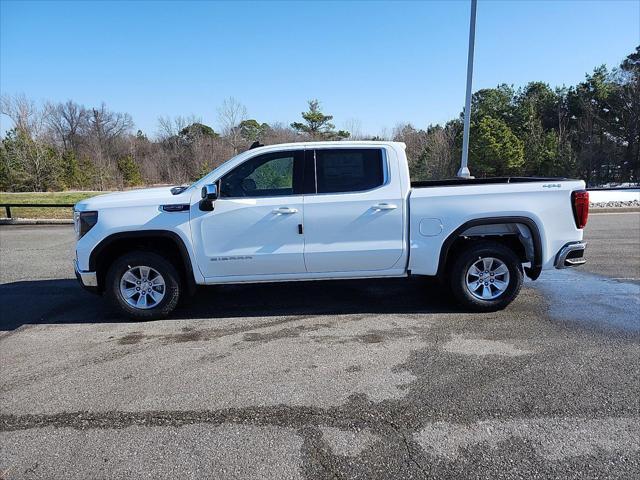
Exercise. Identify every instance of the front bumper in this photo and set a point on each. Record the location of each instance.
(571, 255)
(89, 280)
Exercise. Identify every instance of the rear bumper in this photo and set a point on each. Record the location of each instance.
(571, 255)
(88, 280)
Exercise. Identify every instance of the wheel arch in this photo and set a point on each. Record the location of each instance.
(163, 241)
(452, 240)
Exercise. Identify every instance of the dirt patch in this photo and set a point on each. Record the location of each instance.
(283, 333)
(180, 337)
(371, 338)
(185, 336)
(213, 357)
(190, 334)
(131, 338)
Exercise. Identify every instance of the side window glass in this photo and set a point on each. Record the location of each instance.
(269, 175)
(348, 169)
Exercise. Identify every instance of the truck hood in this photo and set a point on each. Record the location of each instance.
(135, 198)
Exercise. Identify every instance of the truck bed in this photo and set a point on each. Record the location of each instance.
(436, 212)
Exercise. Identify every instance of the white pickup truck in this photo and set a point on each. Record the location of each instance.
(322, 211)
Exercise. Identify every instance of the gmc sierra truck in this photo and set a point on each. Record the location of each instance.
(323, 211)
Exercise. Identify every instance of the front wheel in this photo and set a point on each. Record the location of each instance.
(486, 277)
(143, 286)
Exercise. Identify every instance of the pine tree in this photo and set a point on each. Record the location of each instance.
(318, 125)
(130, 171)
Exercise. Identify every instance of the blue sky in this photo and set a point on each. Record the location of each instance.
(379, 62)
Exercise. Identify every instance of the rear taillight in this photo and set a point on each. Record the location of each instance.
(580, 203)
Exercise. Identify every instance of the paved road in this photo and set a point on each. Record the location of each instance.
(371, 379)
(614, 245)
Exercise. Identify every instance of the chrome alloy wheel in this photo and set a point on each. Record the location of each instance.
(142, 287)
(487, 278)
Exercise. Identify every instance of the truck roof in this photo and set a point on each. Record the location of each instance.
(325, 144)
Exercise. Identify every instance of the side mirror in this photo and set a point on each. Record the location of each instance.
(210, 192)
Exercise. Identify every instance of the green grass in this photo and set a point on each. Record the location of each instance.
(42, 197)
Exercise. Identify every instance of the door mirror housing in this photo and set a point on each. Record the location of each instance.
(210, 192)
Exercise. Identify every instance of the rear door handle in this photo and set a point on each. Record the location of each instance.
(385, 206)
(284, 211)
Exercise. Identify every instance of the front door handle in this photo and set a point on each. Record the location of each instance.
(385, 206)
(284, 210)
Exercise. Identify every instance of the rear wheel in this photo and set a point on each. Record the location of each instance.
(143, 286)
(486, 277)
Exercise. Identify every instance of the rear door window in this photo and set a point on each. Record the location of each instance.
(348, 169)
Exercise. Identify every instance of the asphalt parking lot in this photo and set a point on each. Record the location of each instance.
(366, 379)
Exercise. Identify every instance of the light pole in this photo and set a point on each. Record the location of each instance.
(464, 170)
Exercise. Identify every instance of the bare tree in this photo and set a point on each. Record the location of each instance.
(440, 151)
(171, 127)
(30, 152)
(166, 128)
(105, 130)
(107, 125)
(230, 114)
(27, 118)
(416, 142)
(384, 134)
(354, 126)
(183, 156)
(281, 133)
(68, 122)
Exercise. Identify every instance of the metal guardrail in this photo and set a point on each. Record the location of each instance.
(8, 206)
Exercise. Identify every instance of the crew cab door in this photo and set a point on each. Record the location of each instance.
(354, 220)
(254, 228)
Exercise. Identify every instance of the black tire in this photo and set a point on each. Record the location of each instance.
(172, 288)
(462, 264)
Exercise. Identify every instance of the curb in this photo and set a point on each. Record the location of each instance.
(614, 210)
(39, 221)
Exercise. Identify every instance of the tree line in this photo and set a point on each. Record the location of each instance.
(589, 131)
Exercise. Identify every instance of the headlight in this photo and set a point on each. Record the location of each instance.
(83, 222)
(76, 222)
